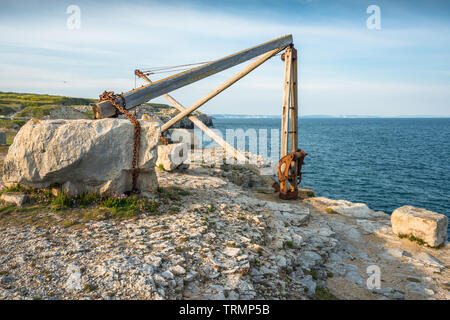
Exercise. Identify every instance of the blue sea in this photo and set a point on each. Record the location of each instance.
(383, 162)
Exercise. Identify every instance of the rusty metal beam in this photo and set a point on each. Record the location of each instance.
(220, 88)
(143, 94)
(229, 149)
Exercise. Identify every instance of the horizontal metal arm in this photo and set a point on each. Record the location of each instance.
(143, 94)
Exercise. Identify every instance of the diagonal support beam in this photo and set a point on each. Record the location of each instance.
(220, 88)
(236, 153)
(104, 109)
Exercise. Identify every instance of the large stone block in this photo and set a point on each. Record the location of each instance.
(81, 155)
(426, 225)
(171, 156)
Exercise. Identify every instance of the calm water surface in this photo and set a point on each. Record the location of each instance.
(385, 163)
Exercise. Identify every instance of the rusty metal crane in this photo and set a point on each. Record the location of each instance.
(112, 104)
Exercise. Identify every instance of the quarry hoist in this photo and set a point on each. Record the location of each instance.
(290, 164)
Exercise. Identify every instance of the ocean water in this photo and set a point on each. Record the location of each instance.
(383, 162)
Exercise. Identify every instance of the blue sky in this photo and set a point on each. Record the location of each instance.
(345, 68)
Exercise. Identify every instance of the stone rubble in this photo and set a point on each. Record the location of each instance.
(224, 241)
(19, 199)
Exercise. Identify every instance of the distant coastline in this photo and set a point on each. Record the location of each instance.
(243, 116)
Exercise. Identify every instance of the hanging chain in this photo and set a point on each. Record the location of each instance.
(112, 97)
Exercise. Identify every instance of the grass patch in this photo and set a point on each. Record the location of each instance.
(12, 99)
(330, 211)
(36, 105)
(90, 114)
(61, 201)
(11, 124)
(7, 209)
(289, 244)
(7, 109)
(314, 274)
(419, 241)
(89, 288)
(37, 112)
(70, 222)
(172, 193)
(71, 211)
(16, 188)
(323, 293)
(87, 199)
(307, 193)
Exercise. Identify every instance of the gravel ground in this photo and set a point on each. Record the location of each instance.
(227, 237)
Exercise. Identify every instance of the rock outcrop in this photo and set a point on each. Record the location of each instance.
(81, 155)
(163, 112)
(347, 208)
(66, 112)
(213, 239)
(428, 226)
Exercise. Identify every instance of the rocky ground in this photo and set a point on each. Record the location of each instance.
(225, 235)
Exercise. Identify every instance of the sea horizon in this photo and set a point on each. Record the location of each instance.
(319, 116)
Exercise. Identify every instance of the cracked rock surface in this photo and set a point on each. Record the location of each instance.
(223, 241)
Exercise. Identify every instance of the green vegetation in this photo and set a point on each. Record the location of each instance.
(20, 100)
(172, 193)
(89, 288)
(419, 241)
(323, 293)
(330, 211)
(72, 211)
(412, 238)
(314, 274)
(8, 109)
(39, 105)
(11, 124)
(289, 244)
(36, 112)
(16, 188)
(30, 105)
(61, 201)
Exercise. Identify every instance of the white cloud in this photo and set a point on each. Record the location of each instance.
(18, 78)
(44, 55)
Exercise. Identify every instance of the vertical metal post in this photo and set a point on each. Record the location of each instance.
(286, 101)
(294, 115)
(294, 103)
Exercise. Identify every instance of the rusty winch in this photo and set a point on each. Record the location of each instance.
(289, 173)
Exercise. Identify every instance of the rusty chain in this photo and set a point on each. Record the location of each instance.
(112, 98)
